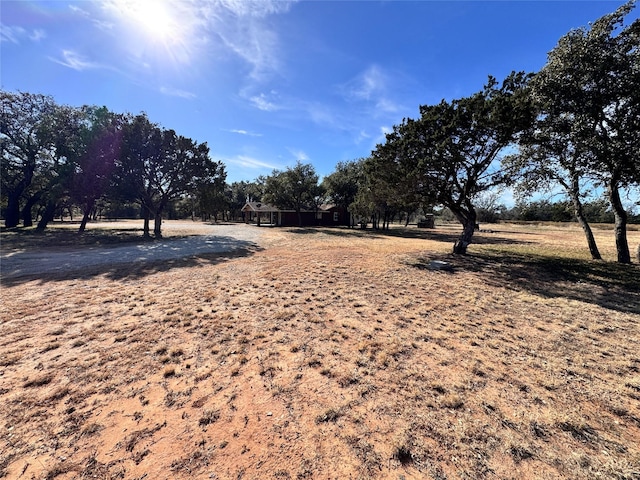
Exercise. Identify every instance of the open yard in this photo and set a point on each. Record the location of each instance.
(324, 354)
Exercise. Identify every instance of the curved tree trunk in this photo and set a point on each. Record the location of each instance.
(468, 221)
(86, 215)
(83, 222)
(463, 242)
(620, 228)
(579, 213)
(47, 215)
(591, 241)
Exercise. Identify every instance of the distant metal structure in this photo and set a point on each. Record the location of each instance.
(428, 222)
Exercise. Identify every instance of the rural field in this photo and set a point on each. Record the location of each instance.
(324, 354)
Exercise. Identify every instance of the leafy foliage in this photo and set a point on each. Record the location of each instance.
(448, 156)
(589, 104)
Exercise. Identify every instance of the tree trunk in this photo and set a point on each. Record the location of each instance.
(12, 213)
(47, 215)
(157, 224)
(86, 214)
(620, 229)
(145, 228)
(468, 221)
(83, 222)
(579, 213)
(460, 246)
(27, 217)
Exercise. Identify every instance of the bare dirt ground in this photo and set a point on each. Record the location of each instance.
(327, 354)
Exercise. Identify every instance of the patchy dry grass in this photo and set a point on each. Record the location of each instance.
(332, 354)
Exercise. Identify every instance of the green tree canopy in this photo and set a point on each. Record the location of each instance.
(589, 97)
(295, 188)
(451, 153)
(26, 151)
(157, 166)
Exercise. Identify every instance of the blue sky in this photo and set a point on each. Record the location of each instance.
(266, 83)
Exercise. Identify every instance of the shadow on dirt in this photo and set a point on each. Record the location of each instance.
(128, 262)
(610, 285)
(438, 235)
(21, 237)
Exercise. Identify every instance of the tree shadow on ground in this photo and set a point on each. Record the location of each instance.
(613, 286)
(20, 237)
(438, 235)
(118, 264)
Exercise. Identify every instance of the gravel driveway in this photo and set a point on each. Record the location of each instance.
(209, 239)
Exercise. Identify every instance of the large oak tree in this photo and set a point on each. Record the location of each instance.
(157, 166)
(591, 79)
(454, 148)
(25, 149)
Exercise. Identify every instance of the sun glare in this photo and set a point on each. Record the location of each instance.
(155, 18)
(152, 16)
(161, 26)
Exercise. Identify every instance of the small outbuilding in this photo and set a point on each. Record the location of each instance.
(427, 222)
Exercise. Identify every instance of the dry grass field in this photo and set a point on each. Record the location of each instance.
(329, 354)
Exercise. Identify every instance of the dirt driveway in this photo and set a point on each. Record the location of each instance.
(203, 239)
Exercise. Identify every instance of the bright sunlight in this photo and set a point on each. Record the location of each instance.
(153, 16)
(160, 24)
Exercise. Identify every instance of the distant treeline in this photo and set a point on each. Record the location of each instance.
(597, 211)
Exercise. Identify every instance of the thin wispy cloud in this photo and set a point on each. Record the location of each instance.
(80, 11)
(15, 34)
(176, 92)
(372, 87)
(382, 135)
(76, 61)
(241, 25)
(244, 132)
(387, 106)
(243, 28)
(100, 23)
(299, 155)
(372, 82)
(256, 8)
(37, 35)
(199, 32)
(250, 39)
(246, 161)
(322, 114)
(361, 136)
(11, 34)
(262, 102)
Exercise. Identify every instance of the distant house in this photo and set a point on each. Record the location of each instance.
(325, 215)
(337, 216)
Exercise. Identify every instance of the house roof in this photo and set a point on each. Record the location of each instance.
(259, 207)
